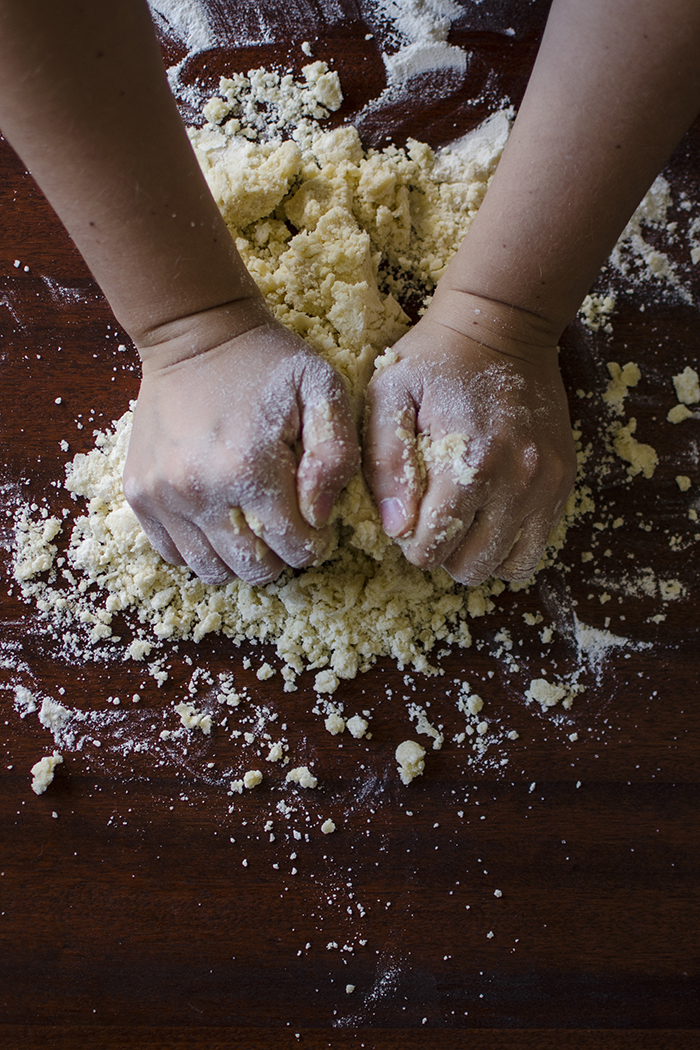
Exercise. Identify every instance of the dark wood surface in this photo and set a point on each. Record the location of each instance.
(129, 919)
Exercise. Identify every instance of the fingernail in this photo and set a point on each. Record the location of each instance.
(321, 509)
(393, 516)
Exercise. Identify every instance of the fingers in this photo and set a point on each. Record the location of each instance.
(158, 537)
(487, 510)
(484, 548)
(274, 512)
(533, 536)
(527, 550)
(391, 463)
(247, 525)
(218, 552)
(331, 452)
(241, 550)
(445, 516)
(474, 460)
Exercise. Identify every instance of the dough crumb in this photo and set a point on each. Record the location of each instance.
(191, 718)
(411, 759)
(328, 827)
(252, 778)
(548, 694)
(423, 725)
(43, 772)
(326, 682)
(275, 753)
(642, 459)
(595, 312)
(679, 413)
(687, 386)
(335, 724)
(301, 776)
(621, 380)
(357, 726)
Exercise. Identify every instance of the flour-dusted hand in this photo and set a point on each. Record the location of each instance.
(239, 447)
(468, 445)
(614, 87)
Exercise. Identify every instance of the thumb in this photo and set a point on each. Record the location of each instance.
(331, 453)
(391, 462)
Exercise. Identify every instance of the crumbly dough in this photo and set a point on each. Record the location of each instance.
(411, 760)
(335, 724)
(642, 459)
(595, 312)
(191, 718)
(549, 694)
(621, 379)
(687, 386)
(679, 413)
(43, 772)
(357, 726)
(301, 776)
(333, 234)
(424, 725)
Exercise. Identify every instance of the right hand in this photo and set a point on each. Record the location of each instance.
(213, 470)
(500, 462)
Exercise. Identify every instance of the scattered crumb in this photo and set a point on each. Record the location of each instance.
(43, 772)
(679, 413)
(301, 776)
(548, 694)
(411, 759)
(621, 380)
(357, 726)
(191, 718)
(687, 386)
(335, 724)
(641, 458)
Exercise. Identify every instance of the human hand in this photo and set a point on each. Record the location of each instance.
(228, 403)
(488, 416)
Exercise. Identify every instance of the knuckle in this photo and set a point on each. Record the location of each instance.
(519, 568)
(257, 572)
(531, 466)
(208, 570)
(214, 576)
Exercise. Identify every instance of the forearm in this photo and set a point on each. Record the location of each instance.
(85, 102)
(615, 86)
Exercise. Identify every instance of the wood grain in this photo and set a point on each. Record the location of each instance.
(130, 919)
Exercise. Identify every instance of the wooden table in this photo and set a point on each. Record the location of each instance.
(143, 906)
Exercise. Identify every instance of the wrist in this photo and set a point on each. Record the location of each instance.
(502, 327)
(200, 332)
